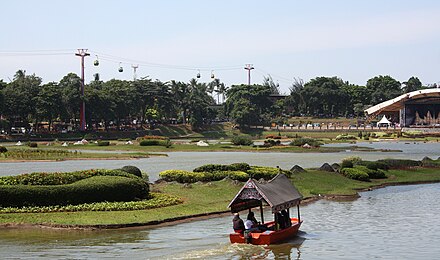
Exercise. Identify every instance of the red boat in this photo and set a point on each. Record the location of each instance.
(280, 194)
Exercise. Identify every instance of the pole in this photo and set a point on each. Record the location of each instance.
(249, 67)
(299, 217)
(261, 213)
(82, 110)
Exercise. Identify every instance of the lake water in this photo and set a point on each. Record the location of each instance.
(398, 222)
(191, 160)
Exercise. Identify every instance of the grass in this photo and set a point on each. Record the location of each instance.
(202, 198)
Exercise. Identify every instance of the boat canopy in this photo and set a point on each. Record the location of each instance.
(279, 193)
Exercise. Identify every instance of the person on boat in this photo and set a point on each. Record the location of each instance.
(280, 221)
(251, 223)
(238, 224)
(285, 214)
(251, 217)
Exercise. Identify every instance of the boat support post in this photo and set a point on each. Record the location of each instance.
(261, 213)
(299, 216)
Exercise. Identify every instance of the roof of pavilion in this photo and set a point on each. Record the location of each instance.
(395, 104)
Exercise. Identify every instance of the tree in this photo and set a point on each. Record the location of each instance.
(274, 87)
(70, 86)
(199, 103)
(49, 103)
(325, 97)
(383, 88)
(20, 95)
(247, 105)
(412, 84)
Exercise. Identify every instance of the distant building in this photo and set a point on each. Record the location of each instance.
(420, 108)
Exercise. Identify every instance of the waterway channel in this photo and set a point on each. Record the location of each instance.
(191, 160)
(399, 222)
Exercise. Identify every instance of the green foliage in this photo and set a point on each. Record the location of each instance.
(191, 177)
(355, 174)
(93, 189)
(29, 154)
(155, 142)
(60, 178)
(303, 140)
(346, 163)
(373, 165)
(90, 136)
(103, 143)
(32, 144)
(132, 170)
(3, 149)
(372, 174)
(271, 142)
(400, 163)
(156, 200)
(267, 173)
(242, 140)
(346, 137)
(221, 167)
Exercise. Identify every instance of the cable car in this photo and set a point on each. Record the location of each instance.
(96, 62)
(198, 74)
(212, 74)
(121, 69)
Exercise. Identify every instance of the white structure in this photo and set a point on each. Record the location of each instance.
(383, 121)
(202, 143)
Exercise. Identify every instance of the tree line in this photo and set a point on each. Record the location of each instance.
(142, 102)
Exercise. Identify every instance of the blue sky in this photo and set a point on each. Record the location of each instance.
(354, 40)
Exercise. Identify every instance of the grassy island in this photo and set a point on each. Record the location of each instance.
(185, 197)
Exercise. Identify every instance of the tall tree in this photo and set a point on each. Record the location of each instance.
(20, 96)
(412, 84)
(70, 86)
(49, 103)
(383, 88)
(274, 87)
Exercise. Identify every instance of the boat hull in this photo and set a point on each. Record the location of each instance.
(269, 237)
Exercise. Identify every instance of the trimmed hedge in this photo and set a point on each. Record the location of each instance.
(372, 174)
(374, 165)
(103, 143)
(242, 140)
(155, 142)
(267, 173)
(346, 137)
(132, 170)
(60, 178)
(93, 189)
(400, 163)
(223, 167)
(182, 176)
(355, 174)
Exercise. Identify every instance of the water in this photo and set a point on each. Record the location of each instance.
(191, 160)
(398, 222)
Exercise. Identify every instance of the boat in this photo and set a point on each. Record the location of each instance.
(280, 195)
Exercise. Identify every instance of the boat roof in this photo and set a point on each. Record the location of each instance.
(279, 193)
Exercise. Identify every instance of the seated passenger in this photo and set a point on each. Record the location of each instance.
(237, 223)
(251, 223)
(286, 217)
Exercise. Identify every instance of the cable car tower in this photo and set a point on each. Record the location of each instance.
(82, 110)
(135, 67)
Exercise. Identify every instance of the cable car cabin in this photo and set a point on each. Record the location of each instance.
(280, 195)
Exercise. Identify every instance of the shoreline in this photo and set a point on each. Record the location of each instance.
(196, 217)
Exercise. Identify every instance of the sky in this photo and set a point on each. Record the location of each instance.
(176, 39)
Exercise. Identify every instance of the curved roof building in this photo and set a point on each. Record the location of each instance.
(417, 108)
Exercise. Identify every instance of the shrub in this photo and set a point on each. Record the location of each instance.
(3, 149)
(181, 176)
(302, 141)
(32, 144)
(103, 143)
(90, 136)
(267, 173)
(271, 142)
(346, 137)
(373, 165)
(155, 142)
(242, 140)
(353, 159)
(60, 178)
(132, 170)
(372, 174)
(400, 163)
(222, 167)
(346, 164)
(94, 189)
(355, 174)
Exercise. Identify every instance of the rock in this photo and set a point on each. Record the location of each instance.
(296, 168)
(326, 168)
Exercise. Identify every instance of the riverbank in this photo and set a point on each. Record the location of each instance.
(203, 200)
